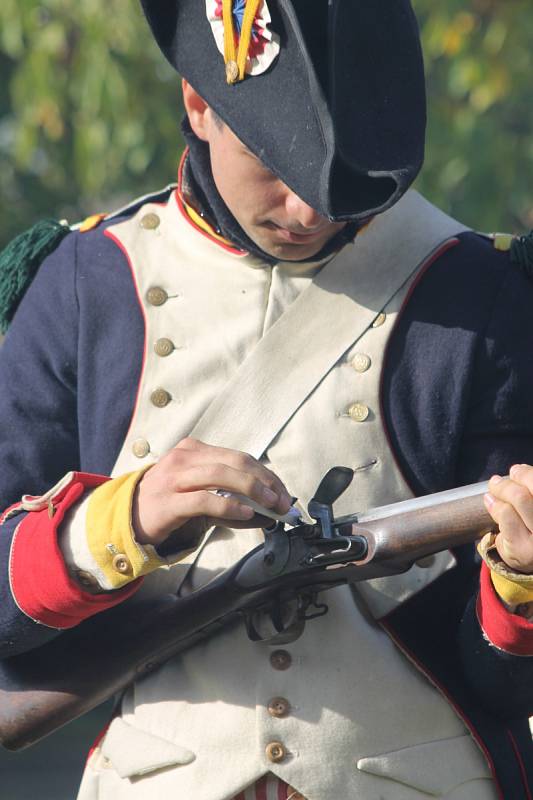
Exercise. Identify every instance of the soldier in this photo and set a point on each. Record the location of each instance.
(288, 306)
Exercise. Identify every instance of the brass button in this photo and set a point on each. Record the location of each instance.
(86, 579)
(140, 448)
(275, 752)
(51, 509)
(121, 564)
(278, 707)
(150, 222)
(156, 296)
(380, 319)
(164, 347)
(232, 71)
(361, 362)
(280, 659)
(359, 412)
(160, 398)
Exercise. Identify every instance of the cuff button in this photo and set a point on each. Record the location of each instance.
(121, 563)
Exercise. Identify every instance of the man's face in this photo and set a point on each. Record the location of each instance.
(275, 218)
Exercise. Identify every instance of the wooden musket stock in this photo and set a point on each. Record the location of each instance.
(45, 688)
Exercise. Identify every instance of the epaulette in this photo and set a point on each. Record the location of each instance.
(21, 258)
(520, 249)
(522, 253)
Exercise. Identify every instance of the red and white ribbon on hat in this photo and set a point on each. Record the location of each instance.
(263, 47)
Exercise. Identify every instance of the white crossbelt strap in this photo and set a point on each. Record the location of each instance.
(321, 324)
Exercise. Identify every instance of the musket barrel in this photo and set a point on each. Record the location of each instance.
(418, 503)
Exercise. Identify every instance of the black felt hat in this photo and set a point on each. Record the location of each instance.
(339, 114)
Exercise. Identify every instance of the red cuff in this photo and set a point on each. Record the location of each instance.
(508, 632)
(40, 582)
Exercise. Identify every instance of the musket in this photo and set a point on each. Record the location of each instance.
(45, 688)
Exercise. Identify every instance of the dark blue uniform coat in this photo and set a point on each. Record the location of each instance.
(458, 403)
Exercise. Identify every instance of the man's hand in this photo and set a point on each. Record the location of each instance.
(510, 504)
(175, 490)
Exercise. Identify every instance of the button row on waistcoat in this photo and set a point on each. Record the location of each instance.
(280, 659)
(163, 347)
(150, 221)
(361, 362)
(380, 319)
(278, 707)
(359, 412)
(156, 296)
(160, 398)
(140, 448)
(275, 752)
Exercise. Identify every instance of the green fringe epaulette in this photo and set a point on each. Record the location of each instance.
(522, 253)
(21, 259)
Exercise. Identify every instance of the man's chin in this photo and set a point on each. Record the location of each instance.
(284, 251)
(284, 245)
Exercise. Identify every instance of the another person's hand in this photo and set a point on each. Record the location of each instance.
(176, 490)
(510, 504)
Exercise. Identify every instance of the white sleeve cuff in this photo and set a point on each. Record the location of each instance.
(73, 545)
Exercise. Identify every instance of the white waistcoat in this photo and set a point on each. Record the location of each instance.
(363, 723)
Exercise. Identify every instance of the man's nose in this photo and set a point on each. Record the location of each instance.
(302, 214)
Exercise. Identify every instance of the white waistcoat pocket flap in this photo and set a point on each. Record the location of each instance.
(433, 767)
(132, 751)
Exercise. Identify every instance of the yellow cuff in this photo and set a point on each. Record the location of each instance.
(510, 592)
(514, 588)
(110, 534)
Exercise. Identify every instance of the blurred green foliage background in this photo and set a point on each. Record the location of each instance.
(89, 110)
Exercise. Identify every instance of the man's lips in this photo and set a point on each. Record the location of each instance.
(295, 237)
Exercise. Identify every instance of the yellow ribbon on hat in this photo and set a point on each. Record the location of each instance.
(236, 60)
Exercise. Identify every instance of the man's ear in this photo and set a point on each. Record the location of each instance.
(197, 110)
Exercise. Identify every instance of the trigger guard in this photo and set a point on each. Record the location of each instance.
(273, 616)
(290, 634)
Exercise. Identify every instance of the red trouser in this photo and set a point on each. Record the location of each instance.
(269, 787)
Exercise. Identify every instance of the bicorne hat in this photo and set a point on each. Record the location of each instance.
(329, 94)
